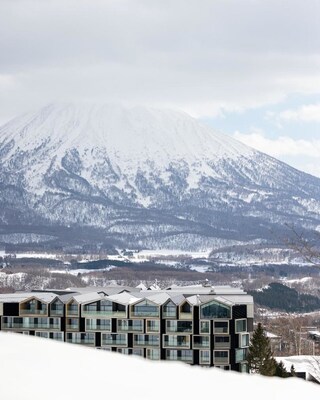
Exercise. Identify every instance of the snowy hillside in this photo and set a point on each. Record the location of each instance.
(141, 177)
(34, 368)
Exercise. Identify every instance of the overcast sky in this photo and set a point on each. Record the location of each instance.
(249, 68)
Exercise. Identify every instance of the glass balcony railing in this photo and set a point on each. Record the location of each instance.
(27, 311)
(177, 345)
(72, 327)
(138, 313)
(169, 314)
(110, 314)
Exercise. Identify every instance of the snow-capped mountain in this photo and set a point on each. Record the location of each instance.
(141, 177)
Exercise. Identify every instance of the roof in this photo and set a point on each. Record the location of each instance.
(88, 297)
(22, 296)
(307, 364)
(195, 295)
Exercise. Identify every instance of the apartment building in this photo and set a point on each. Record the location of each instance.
(199, 325)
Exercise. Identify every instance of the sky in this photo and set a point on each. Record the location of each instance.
(35, 369)
(249, 68)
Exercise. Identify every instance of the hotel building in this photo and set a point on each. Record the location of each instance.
(199, 325)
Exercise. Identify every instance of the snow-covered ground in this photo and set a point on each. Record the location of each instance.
(34, 368)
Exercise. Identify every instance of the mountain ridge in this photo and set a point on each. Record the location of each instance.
(147, 178)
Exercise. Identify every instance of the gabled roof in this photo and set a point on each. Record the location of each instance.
(88, 297)
(123, 298)
(19, 297)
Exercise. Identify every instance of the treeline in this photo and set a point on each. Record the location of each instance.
(281, 297)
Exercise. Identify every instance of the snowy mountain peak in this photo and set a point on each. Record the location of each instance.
(146, 177)
(136, 133)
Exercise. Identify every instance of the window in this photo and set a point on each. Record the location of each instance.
(204, 356)
(153, 354)
(221, 327)
(169, 310)
(182, 355)
(176, 341)
(145, 308)
(221, 357)
(222, 342)
(179, 326)
(214, 310)
(153, 325)
(130, 325)
(244, 339)
(241, 325)
(241, 355)
(204, 326)
(201, 342)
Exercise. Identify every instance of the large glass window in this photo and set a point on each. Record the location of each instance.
(244, 339)
(241, 355)
(204, 356)
(200, 342)
(177, 341)
(182, 355)
(72, 323)
(169, 310)
(130, 325)
(146, 340)
(153, 325)
(33, 306)
(145, 309)
(204, 326)
(114, 339)
(153, 354)
(241, 325)
(93, 324)
(73, 308)
(179, 326)
(81, 338)
(214, 310)
(56, 308)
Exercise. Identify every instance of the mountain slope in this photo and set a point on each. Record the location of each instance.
(145, 178)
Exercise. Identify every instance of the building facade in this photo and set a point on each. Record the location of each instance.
(199, 325)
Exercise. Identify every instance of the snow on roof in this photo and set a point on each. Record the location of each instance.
(32, 362)
(123, 298)
(308, 364)
(314, 333)
(141, 286)
(22, 296)
(88, 297)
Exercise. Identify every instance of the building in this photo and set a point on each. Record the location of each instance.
(305, 367)
(200, 325)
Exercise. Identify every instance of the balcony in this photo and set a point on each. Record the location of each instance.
(180, 342)
(201, 342)
(146, 340)
(175, 355)
(33, 311)
(169, 314)
(103, 313)
(186, 315)
(114, 340)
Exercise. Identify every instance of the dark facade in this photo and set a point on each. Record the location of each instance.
(198, 325)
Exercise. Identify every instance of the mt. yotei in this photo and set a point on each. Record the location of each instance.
(144, 178)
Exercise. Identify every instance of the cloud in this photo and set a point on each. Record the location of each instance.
(200, 57)
(303, 154)
(306, 113)
(281, 146)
